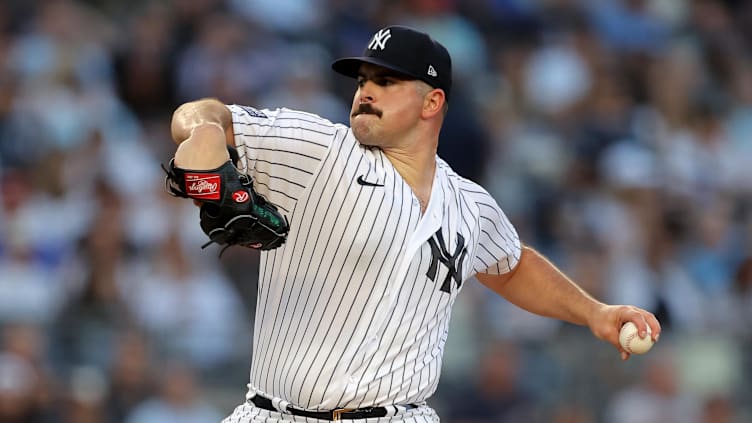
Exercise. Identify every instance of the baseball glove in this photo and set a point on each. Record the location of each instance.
(232, 213)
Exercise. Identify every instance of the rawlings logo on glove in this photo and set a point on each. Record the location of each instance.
(200, 186)
(232, 213)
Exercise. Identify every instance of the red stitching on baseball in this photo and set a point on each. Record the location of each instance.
(629, 341)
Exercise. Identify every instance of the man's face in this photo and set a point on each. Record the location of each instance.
(385, 108)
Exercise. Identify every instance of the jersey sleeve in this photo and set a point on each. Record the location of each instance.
(499, 246)
(281, 149)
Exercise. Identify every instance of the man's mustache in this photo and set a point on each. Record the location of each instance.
(366, 108)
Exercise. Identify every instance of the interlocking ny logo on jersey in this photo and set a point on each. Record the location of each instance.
(379, 40)
(453, 262)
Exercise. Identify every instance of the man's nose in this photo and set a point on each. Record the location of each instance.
(366, 93)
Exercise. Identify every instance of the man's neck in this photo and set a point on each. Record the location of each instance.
(417, 168)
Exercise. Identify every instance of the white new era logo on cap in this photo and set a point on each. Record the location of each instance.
(432, 71)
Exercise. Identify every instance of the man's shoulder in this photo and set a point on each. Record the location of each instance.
(288, 124)
(470, 194)
(460, 183)
(282, 116)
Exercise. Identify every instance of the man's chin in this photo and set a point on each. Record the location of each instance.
(362, 134)
(360, 125)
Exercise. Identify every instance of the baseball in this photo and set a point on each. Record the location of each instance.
(631, 341)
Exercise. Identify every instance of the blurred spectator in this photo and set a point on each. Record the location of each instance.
(131, 376)
(708, 364)
(30, 343)
(288, 17)
(503, 320)
(629, 25)
(645, 265)
(188, 306)
(557, 78)
(86, 329)
(228, 60)
(89, 324)
(463, 141)
(462, 39)
(28, 290)
(738, 121)
(18, 385)
(179, 400)
(741, 297)
(303, 86)
(85, 400)
(60, 67)
(719, 409)
(712, 254)
(656, 396)
(30, 286)
(145, 62)
(64, 38)
(496, 393)
(27, 389)
(572, 413)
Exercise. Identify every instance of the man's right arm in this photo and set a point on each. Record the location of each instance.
(202, 129)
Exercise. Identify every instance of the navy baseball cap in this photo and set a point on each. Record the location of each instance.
(406, 51)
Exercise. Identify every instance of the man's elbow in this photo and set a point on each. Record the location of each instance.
(199, 112)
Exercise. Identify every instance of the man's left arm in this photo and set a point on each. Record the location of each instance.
(538, 286)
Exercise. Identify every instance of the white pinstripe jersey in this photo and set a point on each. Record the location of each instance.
(353, 309)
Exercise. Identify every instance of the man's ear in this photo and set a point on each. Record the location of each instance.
(433, 102)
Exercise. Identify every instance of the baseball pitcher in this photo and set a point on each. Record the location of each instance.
(366, 238)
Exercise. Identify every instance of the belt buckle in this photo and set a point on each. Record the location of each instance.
(337, 413)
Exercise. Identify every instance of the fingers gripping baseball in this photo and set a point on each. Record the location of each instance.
(609, 321)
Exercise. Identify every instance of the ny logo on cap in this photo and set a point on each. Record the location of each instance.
(432, 71)
(379, 40)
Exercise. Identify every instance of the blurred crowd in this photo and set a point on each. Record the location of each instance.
(616, 135)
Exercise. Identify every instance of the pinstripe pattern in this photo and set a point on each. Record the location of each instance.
(247, 413)
(347, 315)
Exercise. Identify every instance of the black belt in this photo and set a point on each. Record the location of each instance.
(333, 415)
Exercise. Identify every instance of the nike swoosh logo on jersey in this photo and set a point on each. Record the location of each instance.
(363, 182)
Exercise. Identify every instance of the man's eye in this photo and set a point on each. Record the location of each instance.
(381, 81)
